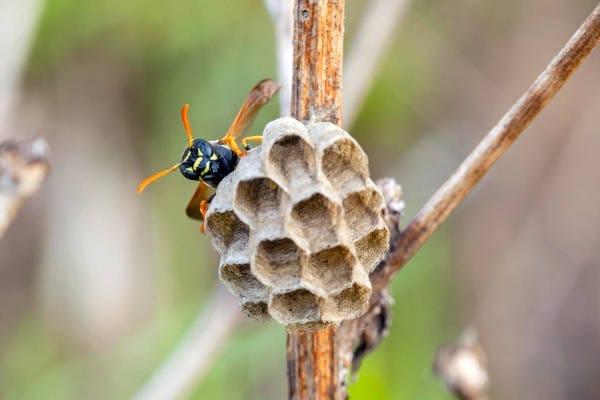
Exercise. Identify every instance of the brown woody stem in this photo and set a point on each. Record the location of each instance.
(318, 49)
(316, 94)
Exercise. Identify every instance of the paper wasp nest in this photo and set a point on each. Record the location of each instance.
(298, 225)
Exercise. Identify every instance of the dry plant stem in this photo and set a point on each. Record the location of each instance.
(311, 359)
(23, 168)
(317, 70)
(496, 142)
(316, 94)
(194, 355)
(367, 48)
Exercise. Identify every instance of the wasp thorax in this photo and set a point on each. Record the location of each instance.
(299, 226)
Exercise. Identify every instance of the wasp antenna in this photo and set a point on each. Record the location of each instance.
(186, 124)
(154, 177)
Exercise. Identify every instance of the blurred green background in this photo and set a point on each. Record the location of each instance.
(98, 286)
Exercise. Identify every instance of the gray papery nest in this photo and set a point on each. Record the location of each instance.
(299, 227)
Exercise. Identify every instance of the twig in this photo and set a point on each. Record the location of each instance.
(497, 141)
(23, 167)
(367, 48)
(196, 352)
(281, 13)
(316, 94)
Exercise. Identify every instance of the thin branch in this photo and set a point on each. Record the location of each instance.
(197, 351)
(367, 48)
(497, 141)
(23, 168)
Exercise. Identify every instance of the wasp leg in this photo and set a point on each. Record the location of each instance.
(257, 139)
(198, 204)
(203, 210)
(230, 141)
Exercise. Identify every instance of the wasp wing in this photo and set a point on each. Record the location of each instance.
(260, 94)
(202, 192)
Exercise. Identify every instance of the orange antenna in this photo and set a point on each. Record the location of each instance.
(186, 124)
(154, 177)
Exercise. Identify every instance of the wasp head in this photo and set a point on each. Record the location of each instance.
(195, 160)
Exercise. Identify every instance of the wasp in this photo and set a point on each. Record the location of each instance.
(209, 161)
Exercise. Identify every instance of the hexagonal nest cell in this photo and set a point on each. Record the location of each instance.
(299, 226)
